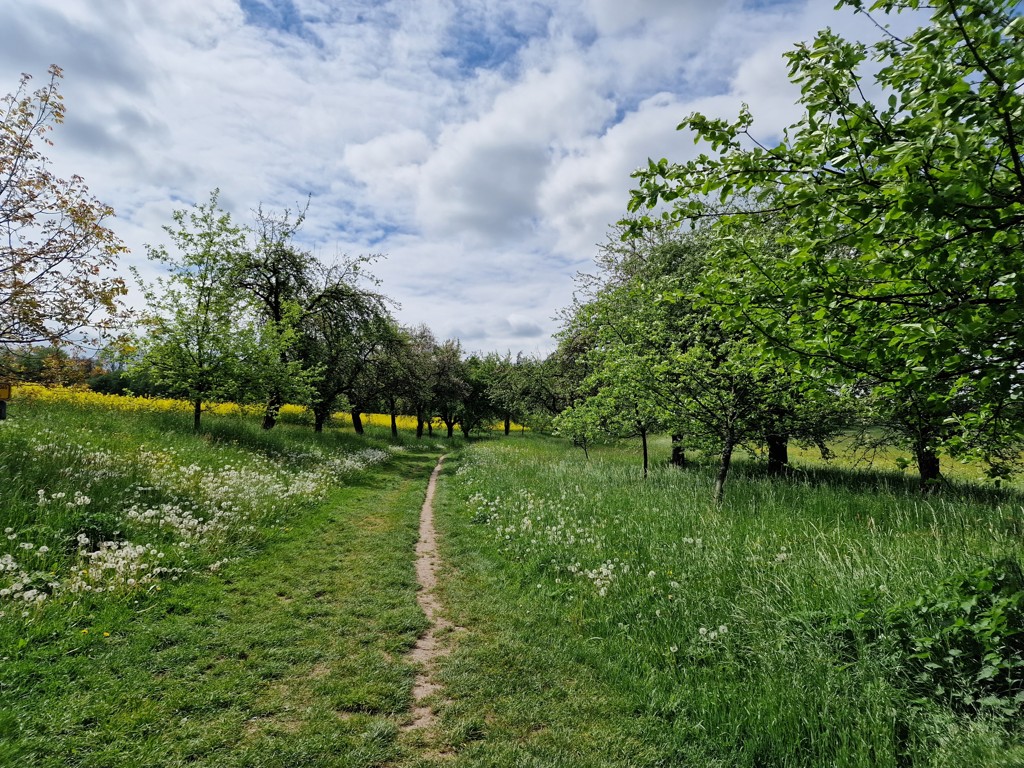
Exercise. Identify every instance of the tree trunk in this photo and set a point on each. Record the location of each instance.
(778, 454)
(419, 426)
(927, 467)
(273, 407)
(643, 439)
(678, 452)
(723, 472)
(197, 411)
(320, 418)
(357, 421)
(508, 424)
(430, 427)
(394, 423)
(451, 428)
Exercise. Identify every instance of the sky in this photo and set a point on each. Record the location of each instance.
(482, 147)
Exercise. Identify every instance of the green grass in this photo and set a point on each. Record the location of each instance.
(597, 602)
(290, 651)
(273, 630)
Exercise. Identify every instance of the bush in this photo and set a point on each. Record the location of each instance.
(960, 643)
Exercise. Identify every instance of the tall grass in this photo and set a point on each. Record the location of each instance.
(738, 624)
(100, 503)
(236, 597)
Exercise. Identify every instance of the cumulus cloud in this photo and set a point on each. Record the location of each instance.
(485, 146)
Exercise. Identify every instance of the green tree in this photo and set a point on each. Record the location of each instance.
(341, 331)
(622, 405)
(204, 342)
(278, 276)
(659, 358)
(902, 219)
(55, 248)
(478, 405)
(419, 361)
(450, 385)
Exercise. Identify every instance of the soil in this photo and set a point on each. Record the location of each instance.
(428, 649)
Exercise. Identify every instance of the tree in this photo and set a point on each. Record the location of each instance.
(341, 330)
(510, 384)
(622, 406)
(420, 367)
(278, 276)
(204, 342)
(903, 219)
(48, 365)
(450, 385)
(55, 248)
(478, 405)
(389, 372)
(659, 358)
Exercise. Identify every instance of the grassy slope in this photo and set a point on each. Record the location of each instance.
(554, 673)
(291, 654)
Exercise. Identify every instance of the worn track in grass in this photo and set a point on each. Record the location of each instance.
(428, 648)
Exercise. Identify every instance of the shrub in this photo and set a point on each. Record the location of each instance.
(960, 643)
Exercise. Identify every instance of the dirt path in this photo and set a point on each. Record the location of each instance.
(427, 650)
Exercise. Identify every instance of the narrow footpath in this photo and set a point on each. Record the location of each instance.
(427, 650)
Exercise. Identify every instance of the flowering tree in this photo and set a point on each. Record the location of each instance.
(54, 248)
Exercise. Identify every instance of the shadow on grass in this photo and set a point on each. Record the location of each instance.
(875, 481)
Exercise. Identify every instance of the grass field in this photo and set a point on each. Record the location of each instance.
(247, 598)
(236, 598)
(624, 622)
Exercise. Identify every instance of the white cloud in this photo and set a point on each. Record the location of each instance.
(484, 145)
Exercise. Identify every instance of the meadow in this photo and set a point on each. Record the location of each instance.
(837, 618)
(242, 597)
(236, 597)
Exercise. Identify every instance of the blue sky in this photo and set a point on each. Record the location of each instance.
(483, 146)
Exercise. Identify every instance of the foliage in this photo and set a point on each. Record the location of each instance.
(478, 407)
(449, 385)
(56, 249)
(961, 642)
(204, 342)
(900, 197)
(343, 327)
(659, 358)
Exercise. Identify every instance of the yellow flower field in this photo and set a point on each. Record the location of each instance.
(86, 397)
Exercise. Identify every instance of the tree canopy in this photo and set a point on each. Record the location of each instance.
(55, 247)
(898, 201)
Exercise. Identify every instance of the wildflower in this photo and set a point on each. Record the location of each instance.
(673, 648)
(722, 629)
(651, 574)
